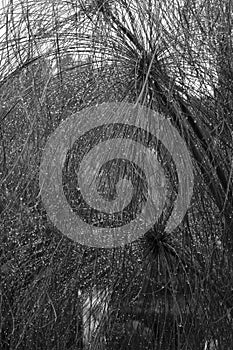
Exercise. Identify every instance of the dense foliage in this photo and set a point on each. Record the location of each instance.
(162, 291)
